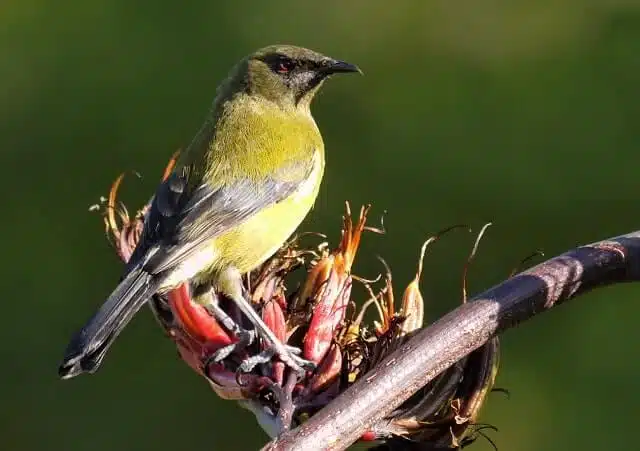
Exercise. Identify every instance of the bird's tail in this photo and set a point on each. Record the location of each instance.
(90, 344)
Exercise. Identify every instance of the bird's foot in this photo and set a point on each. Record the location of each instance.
(289, 355)
(230, 283)
(298, 364)
(265, 356)
(245, 338)
(214, 309)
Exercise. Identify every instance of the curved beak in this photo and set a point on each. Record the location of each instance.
(336, 66)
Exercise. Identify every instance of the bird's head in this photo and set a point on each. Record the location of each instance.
(286, 74)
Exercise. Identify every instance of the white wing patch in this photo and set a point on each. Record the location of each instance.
(190, 267)
(310, 185)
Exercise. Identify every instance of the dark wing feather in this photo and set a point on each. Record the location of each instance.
(180, 220)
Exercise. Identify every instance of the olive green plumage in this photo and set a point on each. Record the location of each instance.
(240, 189)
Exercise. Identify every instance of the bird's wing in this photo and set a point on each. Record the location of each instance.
(181, 220)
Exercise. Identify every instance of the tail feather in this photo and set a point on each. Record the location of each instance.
(90, 344)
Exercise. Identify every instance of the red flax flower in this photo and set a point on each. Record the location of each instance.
(314, 318)
(328, 289)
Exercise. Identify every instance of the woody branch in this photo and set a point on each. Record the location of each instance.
(460, 332)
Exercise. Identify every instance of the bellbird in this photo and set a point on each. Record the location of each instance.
(245, 182)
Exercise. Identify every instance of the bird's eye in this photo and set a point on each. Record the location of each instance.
(284, 66)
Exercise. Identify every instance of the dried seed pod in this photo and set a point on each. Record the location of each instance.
(412, 301)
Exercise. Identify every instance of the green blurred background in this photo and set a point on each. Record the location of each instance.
(520, 112)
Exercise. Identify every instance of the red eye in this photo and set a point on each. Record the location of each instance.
(283, 65)
(283, 68)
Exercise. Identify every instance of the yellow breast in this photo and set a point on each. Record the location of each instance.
(254, 137)
(255, 240)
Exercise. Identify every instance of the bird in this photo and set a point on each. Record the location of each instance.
(240, 189)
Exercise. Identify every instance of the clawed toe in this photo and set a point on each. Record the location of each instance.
(250, 363)
(289, 356)
(245, 338)
(303, 364)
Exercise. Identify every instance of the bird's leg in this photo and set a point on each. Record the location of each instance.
(245, 337)
(230, 283)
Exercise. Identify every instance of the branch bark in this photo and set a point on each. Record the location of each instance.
(458, 333)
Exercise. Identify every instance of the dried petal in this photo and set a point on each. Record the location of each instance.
(481, 370)
(273, 317)
(196, 321)
(225, 383)
(316, 278)
(125, 232)
(189, 351)
(327, 372)
(328, 314)
(329, 289)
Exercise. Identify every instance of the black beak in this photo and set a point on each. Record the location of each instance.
(335, 67)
